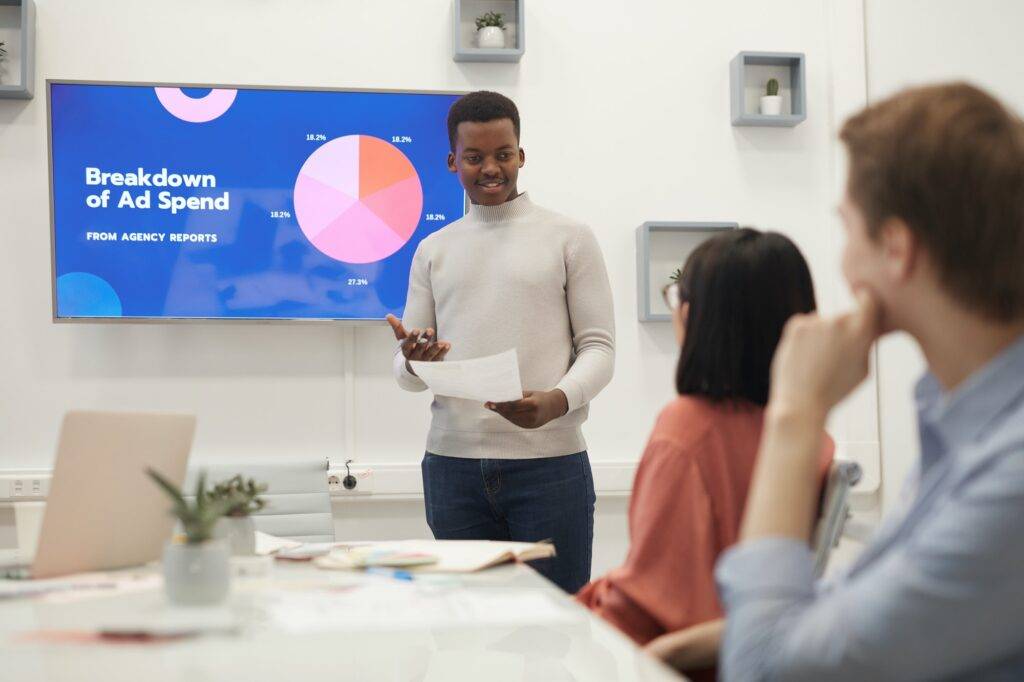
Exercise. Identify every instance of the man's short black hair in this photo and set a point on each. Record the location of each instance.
(480, 107)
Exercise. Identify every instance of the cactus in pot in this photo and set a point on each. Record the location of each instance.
(771, 103)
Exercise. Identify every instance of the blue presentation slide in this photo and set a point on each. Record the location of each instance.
(231, 203)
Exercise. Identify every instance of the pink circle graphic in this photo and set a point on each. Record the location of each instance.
(195, 109)
(358, 199)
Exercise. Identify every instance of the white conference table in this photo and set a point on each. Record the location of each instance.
(37, 636)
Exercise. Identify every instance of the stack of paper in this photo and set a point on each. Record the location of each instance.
(82, 585)
(453, 556)
(393, 556)
(271, 544)
(283, 548)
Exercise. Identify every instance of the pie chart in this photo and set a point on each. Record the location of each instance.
(358, 199)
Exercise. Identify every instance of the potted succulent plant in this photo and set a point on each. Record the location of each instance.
(771, 103)
(490, 30)
(196, 570)
(242, 498)
(672, 297)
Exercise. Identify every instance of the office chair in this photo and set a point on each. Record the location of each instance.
(835, 510)
(298, 502)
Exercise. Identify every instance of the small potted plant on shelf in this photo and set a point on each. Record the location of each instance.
(242, 498)
(195, 567)
(673, 279)
(771, 103)
(490, 30)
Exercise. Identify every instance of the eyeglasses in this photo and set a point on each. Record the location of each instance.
(673, 295)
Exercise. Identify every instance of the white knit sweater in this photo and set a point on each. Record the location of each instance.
(514, 276)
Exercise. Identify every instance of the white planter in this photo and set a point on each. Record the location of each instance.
(196, 575)
(490, 36)
(771, 105)
(239, 533)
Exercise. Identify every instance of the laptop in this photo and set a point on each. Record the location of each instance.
(103, 511)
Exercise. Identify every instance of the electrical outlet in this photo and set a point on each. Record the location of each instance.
(25, 487)
(363, 481)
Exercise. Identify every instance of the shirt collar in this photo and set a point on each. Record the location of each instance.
(510, 210)
(962, 415)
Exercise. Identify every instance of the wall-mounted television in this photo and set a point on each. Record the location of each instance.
(190, 202)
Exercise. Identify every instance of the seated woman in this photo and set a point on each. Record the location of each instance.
(729, 306)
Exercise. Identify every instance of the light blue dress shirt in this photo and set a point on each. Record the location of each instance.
(939, 592)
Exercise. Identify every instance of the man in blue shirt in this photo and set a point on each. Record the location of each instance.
(934, 216)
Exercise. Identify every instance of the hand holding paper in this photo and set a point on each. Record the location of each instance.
(534, 409)
(494, 378)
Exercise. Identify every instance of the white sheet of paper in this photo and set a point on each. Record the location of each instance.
(452, 556)
(170, 621)
(283, 548)
(493, 378)
(390, 605)
(271, 544)
(82, 585)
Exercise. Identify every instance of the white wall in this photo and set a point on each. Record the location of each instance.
(626, 119)
(911, 42)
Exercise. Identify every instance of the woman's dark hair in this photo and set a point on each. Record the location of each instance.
(742, 287)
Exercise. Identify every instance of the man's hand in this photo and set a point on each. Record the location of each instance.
(536, 408)
(418, 344)
(695, 648)
(819, 361)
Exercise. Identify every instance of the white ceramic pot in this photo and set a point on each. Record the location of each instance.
(196, 575)
(771, 105)
(490, 36)
(239, 533)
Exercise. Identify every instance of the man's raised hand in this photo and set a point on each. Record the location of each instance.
(820, 360)
(418, 345)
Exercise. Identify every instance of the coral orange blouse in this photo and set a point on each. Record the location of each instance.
(687, 504)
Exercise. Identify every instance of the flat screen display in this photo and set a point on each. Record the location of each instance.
(174, 202)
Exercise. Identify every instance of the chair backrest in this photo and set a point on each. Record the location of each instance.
(298, 501)
(835, 509)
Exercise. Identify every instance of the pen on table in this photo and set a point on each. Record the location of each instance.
(389, 572)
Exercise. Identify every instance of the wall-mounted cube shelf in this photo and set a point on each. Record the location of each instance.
(661, 247)
(464, 36)
(749, 75)
(17, 31)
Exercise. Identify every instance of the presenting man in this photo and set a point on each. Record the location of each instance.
(509, 274)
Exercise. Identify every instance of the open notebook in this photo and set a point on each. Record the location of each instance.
(440, 556)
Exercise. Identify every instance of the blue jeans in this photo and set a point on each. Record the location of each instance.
(525, 500)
